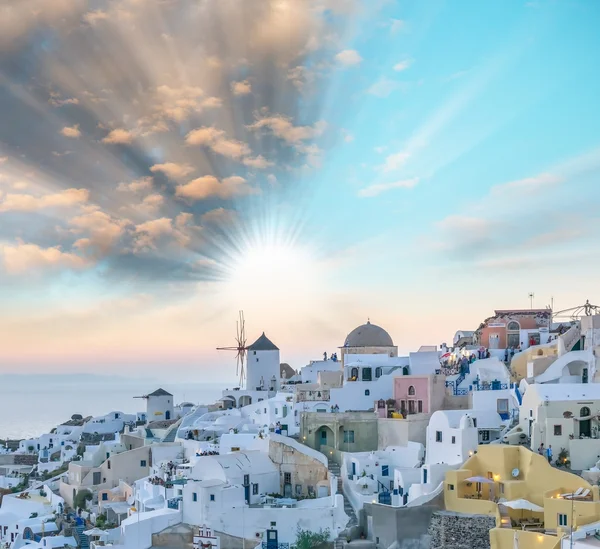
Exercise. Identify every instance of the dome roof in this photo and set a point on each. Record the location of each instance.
(368, 335)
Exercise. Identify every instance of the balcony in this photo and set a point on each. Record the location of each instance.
(313, 396)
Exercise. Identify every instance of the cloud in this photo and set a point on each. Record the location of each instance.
(397, 25)
(258, 162)
(219, 216)
(173, 170)
(212, 103)
(204, 136)
(215, 139)
(383, 87)
(529, 184)
(348, 58)
(377, 189)
(348, 137)
(209, 186)
(119, 137)
(282, 127)
(71, 131)
(142, 184)
(94, 17)
(56, 101)
(395, 161)
(230, 148)
(102, 231)
(29, 203)
(147, 235)
(3, 159)
(241, 88)
(402, 66)
(24, 258)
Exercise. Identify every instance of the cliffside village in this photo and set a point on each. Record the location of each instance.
(493, 439)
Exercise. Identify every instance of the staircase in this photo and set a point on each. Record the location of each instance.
(334, 469)
(83, 542)
(171, 433)
(505, 521)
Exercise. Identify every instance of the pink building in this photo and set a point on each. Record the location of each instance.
(419, 394)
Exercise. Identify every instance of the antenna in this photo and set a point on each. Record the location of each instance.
(241, 348)
(531, 296)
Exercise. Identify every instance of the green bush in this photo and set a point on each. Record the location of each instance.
(82, 497)
(305, 539)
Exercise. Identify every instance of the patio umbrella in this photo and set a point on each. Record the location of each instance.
(481, 480)
(524, 505)
(96, 532)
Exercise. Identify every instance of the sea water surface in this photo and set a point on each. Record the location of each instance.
(32, 405)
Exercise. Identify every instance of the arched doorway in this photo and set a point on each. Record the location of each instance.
(585, 425)
(324, 437)
(513, 334)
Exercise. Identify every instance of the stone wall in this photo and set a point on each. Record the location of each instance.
(407, 527)
(457, 531)
(26, 459)
(304, 470)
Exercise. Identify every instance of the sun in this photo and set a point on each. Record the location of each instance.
(272, 273)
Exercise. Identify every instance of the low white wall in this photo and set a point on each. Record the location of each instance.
(312, 515)
(137, 530)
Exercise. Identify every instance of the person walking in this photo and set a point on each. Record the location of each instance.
(549, 454)
(541, 449)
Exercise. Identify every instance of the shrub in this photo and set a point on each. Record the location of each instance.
(305, 539)
(82, 497)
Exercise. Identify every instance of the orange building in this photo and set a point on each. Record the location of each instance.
(514, 328)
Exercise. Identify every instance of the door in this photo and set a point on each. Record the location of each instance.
(585, 426)
(323, 437)
(424, 475)
(167, 415)
(247, 493)
(584, 376)
(287, 490)
(353, 468)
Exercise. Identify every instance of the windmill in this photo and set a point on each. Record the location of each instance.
(240, 348)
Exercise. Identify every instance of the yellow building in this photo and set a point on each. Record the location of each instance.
(500, 480)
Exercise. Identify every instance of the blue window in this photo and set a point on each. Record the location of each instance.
(104, 496)
(367, 392)
(385, 471)
(194, 496)
(143, 463)
(212, 497)
(349, 436)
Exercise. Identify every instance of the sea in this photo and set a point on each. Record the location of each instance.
(32, 405)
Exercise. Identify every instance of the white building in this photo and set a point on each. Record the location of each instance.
(309, 373)
(563, 415)
(262, 368)
(159, 406)
(453, 435)
(112, 422)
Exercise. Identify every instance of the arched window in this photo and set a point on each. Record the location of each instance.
(513, 326)
(367, 392)
(584, 412)
(354, 373)
(377, 372)
(411, 391)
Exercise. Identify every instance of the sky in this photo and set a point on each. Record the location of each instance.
(314, 163)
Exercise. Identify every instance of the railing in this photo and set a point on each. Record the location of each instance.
(455, 390)
(310, 396)
(267, 545)
(490, 386)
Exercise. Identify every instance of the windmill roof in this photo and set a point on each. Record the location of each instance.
(159, 393)
(263, 343)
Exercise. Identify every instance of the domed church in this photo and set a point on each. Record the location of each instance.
(368, 339)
